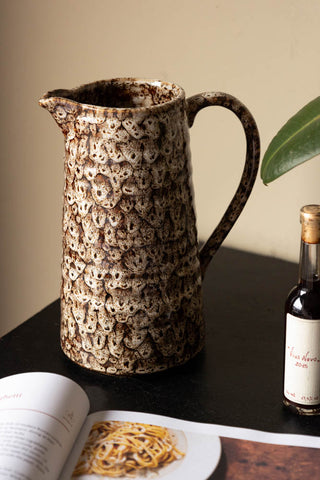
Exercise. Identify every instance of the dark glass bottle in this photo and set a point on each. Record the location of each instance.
(302, 337)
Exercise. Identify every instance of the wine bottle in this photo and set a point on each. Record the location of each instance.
(302, 329)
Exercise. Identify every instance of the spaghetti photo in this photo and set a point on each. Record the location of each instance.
(125, 449)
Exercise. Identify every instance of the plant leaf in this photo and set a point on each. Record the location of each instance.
(297, 141)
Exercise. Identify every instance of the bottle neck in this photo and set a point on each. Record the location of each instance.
(309, 268)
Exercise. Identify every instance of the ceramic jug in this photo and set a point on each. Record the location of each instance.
(131, 297)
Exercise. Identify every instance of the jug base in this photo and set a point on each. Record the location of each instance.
(143, 367)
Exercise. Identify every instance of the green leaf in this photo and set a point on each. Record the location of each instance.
(297, 141)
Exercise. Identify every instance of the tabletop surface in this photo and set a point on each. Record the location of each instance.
(236, 380)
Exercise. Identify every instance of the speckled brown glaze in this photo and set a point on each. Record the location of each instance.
(194, 105)
(131, 276)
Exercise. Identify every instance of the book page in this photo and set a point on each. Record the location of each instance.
(126, 445)
(41, 415)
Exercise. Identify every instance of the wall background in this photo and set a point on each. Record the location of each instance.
(266, 53)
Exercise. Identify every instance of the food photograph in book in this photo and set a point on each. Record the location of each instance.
(117, 449)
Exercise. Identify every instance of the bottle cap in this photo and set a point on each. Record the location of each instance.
(310, 220)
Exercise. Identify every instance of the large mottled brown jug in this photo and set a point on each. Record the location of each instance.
(131, 298)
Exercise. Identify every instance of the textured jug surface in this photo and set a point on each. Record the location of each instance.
(131, 280)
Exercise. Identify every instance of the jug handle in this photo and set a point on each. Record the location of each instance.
(193, 105)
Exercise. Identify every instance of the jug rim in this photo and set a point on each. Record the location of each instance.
(63, 96)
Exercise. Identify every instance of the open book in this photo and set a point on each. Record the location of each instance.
(47, 434)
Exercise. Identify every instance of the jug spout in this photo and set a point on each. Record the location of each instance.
(63, 109)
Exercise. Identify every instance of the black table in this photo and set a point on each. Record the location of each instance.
(236, 380)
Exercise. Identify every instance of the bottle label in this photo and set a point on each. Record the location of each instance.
(302, 360)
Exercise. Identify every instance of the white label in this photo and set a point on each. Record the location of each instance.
(302, 361)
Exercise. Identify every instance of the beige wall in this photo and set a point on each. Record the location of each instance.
(265, 52)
